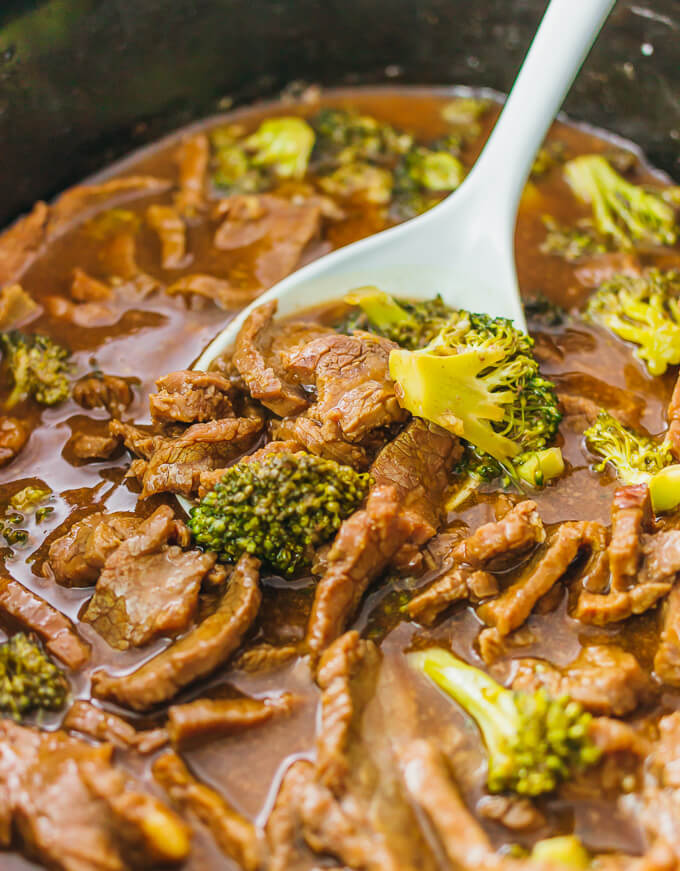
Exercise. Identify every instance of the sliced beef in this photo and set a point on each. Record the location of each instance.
(263, 658)
(418, 462)
(72, 810)
(192, 161)
(430, 788)
(20, 605)
(673, 434)
(221, 291)
(236, 836)
(191, 397)
(177, 464)
(516, 532)
(207, 719)
(659, 804)
(79, 203)
(103, 391)
(667, 658)
(138, 441)
(604, 679)
(172, 234)
(78, 556)
(88, 719)
(355, 397)
(257, 358)
(347, 676)
(197, 654)
(362, 549)
(631, 514)
(86, 446)
(118, 256)
(13, 437)
(85, 288)
(16, 307)
(512, 811)
(84, 314)
(20, 243)
(509, 610)
(454, 585)
(583, 395)
(279, 228)
(148, 587)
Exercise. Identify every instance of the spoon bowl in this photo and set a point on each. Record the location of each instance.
(462, 248)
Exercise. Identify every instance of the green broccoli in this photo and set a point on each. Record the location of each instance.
(542, 312)
(360, 181)
(29, 498)
(571, 243)
(479, 379)
(465, 111)
(643, 310)
(344, 137)
(550, 155)
(29, 680)
(278, 508)
(562, 851)
(634, 457)
(283, 144)
(533, 741)
(624, 213)
(408, 323)
(424, 173)
(38, 367)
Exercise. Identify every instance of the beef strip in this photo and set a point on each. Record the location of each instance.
(73, 810)
(20, 243)
(79, 203)
(138, 441)
(583, 395)
(221, 291)
(16, 307)
(257, 357)
(355, 396)
(77, 557)
(263, 658)
(673, 434)
(197, 654)
(512, 811)
(520, 529)
(280, 228)
(604, 679)
(418, 462)
(13, 437)
(509, 610)
(103, 391)
(191, 397)
(88, 719)
(172, 232)
(148, 588)
(347, 676)
(667, 658)
(362, 549)
(192, 161)
(84, 314)
(177, 464)
(85, 288)
(20, 605)
(631, 514)
(430, 788)
(659, 804)
(207, 719)
(236, 836)
(85, 446)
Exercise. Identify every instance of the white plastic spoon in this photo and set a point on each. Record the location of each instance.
(463, 248)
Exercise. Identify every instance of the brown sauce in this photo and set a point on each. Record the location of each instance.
(161, 333)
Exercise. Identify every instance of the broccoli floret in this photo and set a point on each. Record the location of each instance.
(550, 155)
(533, 741)
(38, 367)
(29, 498)
(360, 181)
(424, 173)
(278, 508)
(623, 212)
(283, 144)
(634, 457)
(409, 324)
(542, 312)
(465, 110)
(111, 222)
(344, 137)
(29, 680)
(643, 310)
(479, 379)
(571, 243)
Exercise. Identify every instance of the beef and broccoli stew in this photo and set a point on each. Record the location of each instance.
(423, 610)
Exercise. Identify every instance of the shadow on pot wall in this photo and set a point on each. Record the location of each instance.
(84, 81)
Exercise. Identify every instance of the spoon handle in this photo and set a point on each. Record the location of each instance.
(563, 40)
